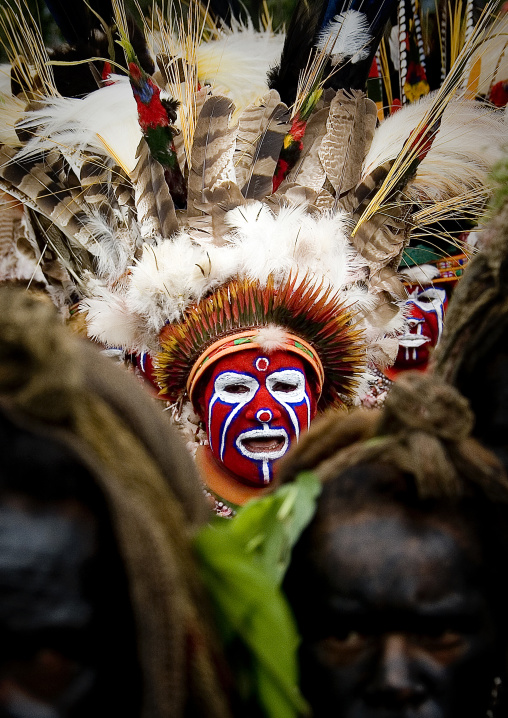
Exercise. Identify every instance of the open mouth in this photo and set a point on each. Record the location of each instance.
(263, 444)
(411, 341)
(270, 443)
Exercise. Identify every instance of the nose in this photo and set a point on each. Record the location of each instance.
(264, 415)
(395, 685)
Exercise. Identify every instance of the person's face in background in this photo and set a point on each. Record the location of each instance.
(67, 640)
(394, 620)
(423, 327)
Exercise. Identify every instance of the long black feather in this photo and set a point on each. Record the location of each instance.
(85, 34)
(309, 20)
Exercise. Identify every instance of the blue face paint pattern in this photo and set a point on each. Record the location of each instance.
(254, 415)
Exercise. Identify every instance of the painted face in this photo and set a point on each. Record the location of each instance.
(396, 620)
(423, 327)
(255, 406)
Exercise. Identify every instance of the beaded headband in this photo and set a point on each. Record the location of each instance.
(247, 340)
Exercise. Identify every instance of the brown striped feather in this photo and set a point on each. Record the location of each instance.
(155, 208)
(264, 159)
(251, 127)
(212, 150)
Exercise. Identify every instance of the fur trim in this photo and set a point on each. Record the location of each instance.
(421, 274)
(271, 338)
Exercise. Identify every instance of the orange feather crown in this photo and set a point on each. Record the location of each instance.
(316, 325)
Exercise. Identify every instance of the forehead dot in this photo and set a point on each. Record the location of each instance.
(262, 363)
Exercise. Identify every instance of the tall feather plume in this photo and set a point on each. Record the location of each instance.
(350, 128)
(26, 52)
(259, 179)
(311, 22)
(175, 38)
(155, 208)
(403, 38)
(417, 145)
(305, 25)
(212, 151)
(251, 126)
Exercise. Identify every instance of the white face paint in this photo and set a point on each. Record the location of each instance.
(254, 415)
(234, 388)
(287, 386)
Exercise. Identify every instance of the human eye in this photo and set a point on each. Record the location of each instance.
(285, 387)
(236, 388)
(445, 646)
(233, 387)
(289, 383)
(344, 647)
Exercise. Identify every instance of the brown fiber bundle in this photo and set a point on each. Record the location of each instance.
(60, 386)
(423, 430)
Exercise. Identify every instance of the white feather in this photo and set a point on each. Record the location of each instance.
(114, 248)
(420, 274)
(468, 144)
(109, 319)
(172, 274)
(293, 241)
(237, 62)
(346, 36)
(104, 122)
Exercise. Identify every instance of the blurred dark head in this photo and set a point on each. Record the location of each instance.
(101, 609)
(395, 584)
(67, 635)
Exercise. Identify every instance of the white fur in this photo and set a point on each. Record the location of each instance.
(237, 62)
(346, 36)
(172, 274)
(420, 274)
(290, 242)
(109, 319)
(271, 338)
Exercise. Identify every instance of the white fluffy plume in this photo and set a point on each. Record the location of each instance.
(293, 241)
(104, 122)
(271, 338)
(469, 142)
(420, 274)
(346, 36)
(237, 62)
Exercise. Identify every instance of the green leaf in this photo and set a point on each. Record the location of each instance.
(242, 563)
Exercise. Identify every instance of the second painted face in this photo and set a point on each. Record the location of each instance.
(255, 405)
(423, 327)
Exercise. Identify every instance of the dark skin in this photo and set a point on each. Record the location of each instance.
(66, 644)
(396, 622)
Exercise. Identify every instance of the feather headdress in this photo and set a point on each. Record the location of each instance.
(183, 233)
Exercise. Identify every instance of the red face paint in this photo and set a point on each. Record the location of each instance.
(255, 405)
(423, 327)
